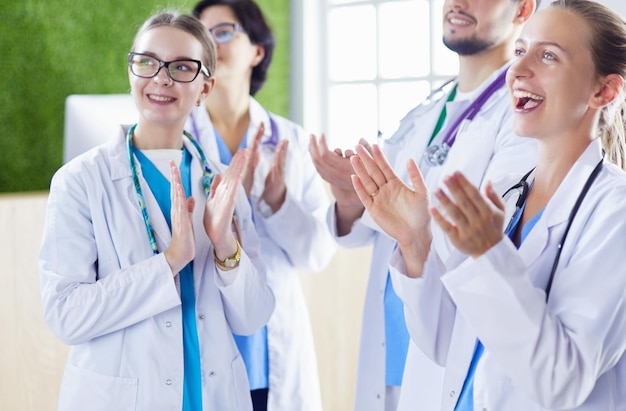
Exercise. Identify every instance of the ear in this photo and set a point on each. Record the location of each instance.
(525, 10)
(610, 88)
(258, 57)
(207, 86)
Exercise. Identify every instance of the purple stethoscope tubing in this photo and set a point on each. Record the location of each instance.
(436, 154)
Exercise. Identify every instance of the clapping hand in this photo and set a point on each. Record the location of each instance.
(473, 223)
(220, 206)
(182, 248)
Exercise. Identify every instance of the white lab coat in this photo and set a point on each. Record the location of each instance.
(119, 306)
(485, 149)
(295, 237)
(566, 354)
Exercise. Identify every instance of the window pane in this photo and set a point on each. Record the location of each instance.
(352, 115)
(445, 62)
(404, 39)
(352, 43)
(395, 100)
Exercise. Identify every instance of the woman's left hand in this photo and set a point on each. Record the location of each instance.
(220, 206)
(474, 224)
(275, 188)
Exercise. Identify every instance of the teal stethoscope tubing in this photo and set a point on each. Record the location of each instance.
(207, 179)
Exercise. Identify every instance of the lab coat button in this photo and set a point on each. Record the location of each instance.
(168, 324)
(168, 382)
(202, 316)
(378, 396)
(212, 374)
(452, 393)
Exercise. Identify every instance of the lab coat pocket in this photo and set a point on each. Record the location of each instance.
(87, 390)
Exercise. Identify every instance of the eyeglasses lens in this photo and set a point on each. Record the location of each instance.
(183, 71)
(223, 33)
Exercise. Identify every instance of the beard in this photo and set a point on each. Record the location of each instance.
(468, 46)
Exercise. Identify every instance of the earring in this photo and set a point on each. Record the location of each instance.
(198, 103)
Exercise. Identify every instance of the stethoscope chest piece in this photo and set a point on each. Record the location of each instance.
(436, 155)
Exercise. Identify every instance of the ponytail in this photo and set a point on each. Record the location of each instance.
(613, 131)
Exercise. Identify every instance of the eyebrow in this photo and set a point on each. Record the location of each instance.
(543, 43)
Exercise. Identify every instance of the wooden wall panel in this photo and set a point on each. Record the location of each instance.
(31, 358)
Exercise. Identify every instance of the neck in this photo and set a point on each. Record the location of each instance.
(555, 158)
(148, 137)
(229, 110)
(475, 69)
(227, 106)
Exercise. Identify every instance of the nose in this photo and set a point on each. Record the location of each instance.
(162, 76)
(520, 67)
(455, 5)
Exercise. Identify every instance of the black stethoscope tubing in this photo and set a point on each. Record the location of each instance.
(522, 199)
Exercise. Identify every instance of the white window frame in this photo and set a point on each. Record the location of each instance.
(310, 83)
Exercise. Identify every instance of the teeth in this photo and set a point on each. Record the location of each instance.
(526, 94)
(161, 98)
(459, 22)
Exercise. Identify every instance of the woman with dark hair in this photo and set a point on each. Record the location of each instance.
(288, 201)
(149, 260)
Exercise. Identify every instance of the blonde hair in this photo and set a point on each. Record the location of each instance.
(188, 24)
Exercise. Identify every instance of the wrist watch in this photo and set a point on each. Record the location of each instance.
(229, 262)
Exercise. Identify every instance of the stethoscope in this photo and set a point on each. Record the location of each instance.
(272, 142)
(439, 92)
(436, 154)
(524, 188)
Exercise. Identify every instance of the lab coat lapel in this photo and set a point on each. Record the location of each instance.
(259, 115)
(120, 169)
(559, 207)
(200, 120)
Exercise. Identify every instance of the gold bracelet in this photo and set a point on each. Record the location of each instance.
(229, 262)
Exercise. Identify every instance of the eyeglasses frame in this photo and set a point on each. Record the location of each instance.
(166, 64)
(235, 26)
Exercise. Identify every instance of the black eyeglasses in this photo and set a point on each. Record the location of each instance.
(225, 32)
(182, 71)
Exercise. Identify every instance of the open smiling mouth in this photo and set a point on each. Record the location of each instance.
(526, 100)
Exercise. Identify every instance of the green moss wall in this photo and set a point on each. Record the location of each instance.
(51, 49)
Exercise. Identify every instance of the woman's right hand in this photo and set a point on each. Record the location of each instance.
(182, 248)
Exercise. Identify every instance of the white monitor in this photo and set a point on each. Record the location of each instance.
(92, 119)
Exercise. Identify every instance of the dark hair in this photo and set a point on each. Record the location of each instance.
(608, 51)
(187, 24)
(253, 22)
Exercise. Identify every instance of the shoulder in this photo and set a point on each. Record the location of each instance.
(611, 182)
(96, 164)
